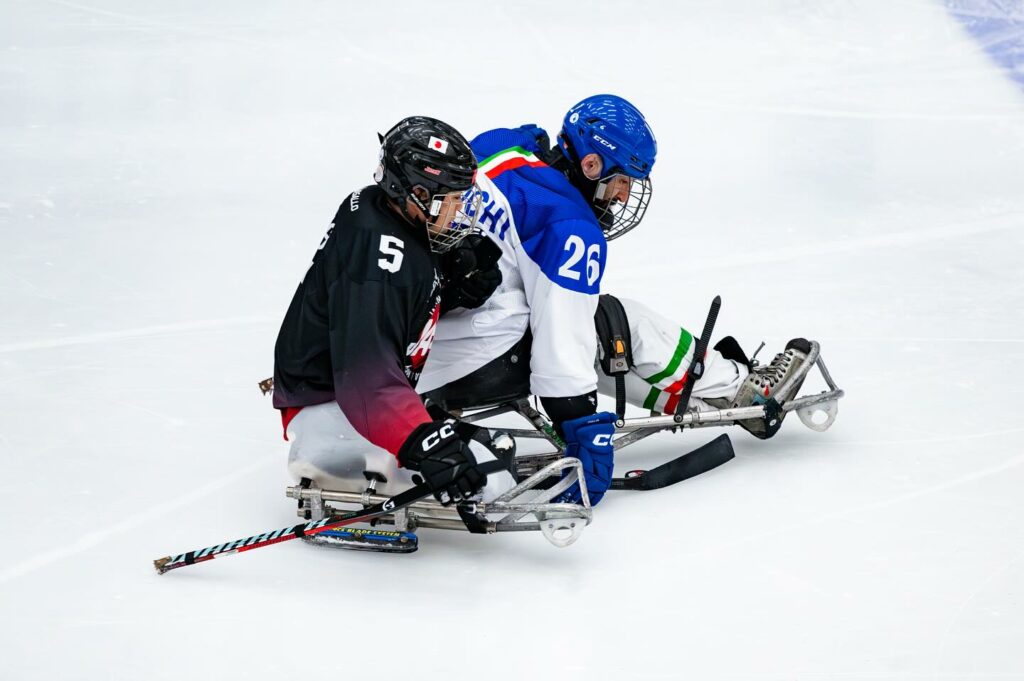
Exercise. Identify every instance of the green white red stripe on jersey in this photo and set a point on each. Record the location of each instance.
(508, 159)
(668, 383)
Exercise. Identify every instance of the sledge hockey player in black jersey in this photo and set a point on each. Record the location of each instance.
(361, 323)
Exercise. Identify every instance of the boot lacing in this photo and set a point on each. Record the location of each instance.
(773, 373)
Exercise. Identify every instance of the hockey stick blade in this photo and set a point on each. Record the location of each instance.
(410, 496)
(701, 460)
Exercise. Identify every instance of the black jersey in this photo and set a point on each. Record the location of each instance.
(360, 325)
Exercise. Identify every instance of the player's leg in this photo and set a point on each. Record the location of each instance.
(662, 352)
(328, 450)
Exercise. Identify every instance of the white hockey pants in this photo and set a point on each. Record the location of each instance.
(662, 352)
(329, 451)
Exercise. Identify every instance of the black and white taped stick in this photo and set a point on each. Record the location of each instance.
(696, 369)
(168, 563)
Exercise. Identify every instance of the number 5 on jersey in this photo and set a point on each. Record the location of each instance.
(571, 268)
(391, 248)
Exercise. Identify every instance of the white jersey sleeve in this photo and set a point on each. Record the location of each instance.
(562, 266)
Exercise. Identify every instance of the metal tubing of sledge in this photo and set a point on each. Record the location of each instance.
(635, 429)
(446, 517)
(716, 417)
(561, 523)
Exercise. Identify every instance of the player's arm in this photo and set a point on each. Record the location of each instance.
(367, 322)
(562, 267)
(568, 259)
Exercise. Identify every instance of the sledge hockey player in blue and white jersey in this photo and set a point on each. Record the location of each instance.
(552, 210)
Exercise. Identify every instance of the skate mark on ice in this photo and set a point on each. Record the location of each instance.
(923, 440)
(819, 112)
(143, 22)
(1011, 463)
(996, 572)
(994, 223)
(131, 334)
(93, 539)
(913, 339)
(175, 421)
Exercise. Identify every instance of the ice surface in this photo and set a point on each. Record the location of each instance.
(848, 171)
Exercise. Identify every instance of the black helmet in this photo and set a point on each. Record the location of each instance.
(423, 159)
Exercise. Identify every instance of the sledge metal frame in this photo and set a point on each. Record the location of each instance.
(632, 430)
(562, 523)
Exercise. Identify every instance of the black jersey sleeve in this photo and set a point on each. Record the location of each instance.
(368, 327)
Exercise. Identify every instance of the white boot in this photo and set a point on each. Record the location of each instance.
(762, 384)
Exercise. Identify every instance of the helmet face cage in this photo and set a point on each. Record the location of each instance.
(618, 217)
(451, 218)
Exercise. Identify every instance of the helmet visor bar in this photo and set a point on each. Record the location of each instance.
(451, 217)
(621, 202)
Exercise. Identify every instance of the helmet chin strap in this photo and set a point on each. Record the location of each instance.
(403, 208)
(569, 165)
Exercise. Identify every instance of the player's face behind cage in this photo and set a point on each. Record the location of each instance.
(451, 216)
(621, 202)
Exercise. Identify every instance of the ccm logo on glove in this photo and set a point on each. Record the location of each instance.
(589, 439)
(442, 433)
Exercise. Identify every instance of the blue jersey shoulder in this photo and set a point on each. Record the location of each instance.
(538, 194)
(556, 226)
(527, 136)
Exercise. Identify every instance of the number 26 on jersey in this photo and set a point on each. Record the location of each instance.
(575, 264)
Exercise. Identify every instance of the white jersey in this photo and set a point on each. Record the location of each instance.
(552, 261)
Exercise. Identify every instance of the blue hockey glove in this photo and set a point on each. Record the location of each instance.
(589, 439)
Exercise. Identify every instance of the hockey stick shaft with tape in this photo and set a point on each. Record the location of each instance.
(256, 541)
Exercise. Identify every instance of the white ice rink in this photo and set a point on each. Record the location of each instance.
(852, 172)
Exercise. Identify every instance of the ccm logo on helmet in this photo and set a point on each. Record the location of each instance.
(431, 440)
(602, 440)
(605, 142)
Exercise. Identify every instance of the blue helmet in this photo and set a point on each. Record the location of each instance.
(617, 132)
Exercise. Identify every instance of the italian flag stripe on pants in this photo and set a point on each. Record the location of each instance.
(665, 393)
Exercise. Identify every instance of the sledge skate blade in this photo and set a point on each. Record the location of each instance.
(365, 539)
(507, 513)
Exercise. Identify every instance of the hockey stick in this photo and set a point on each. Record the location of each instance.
(696, 369)
(700, 460)
(168, 563)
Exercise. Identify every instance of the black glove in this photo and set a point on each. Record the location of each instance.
(471, 272)
(447, 464)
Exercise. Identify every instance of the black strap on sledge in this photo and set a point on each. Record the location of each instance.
(616, 345)
(696, 370)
